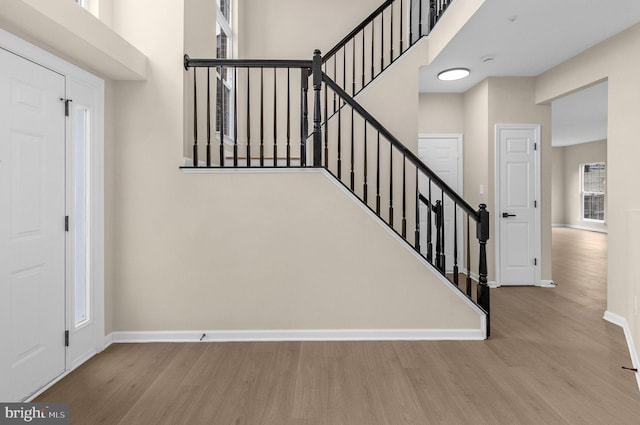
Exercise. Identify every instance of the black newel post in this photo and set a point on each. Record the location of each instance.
(483, 287)
(317, 113)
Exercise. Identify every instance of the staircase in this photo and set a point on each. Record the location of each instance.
(268, 119)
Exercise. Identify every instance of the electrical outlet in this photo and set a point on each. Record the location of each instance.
(481, 189)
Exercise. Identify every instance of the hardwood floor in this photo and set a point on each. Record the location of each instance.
(551, 359)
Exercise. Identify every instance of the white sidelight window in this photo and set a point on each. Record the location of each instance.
(224, 86)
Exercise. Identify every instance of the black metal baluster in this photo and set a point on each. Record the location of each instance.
(335, 75)
(378, 175)
(455, 243)
(373, 39)
(430, 210)
(391, 33)
(363, 58)
(401, 26)
(365, 188)
(468, 258)
(208, 117)
(353, 69)
(195, 118)
(433, 14)
(288, 117)
(404, 195)
(248, 117)
(411, 21)
(442, 229)
(326, 117)
(438, 211)
(275, 118)
(339, 139)
(235, 117)
(344, 67)
(261, 117)
(382, 41)
(221, 117)
(420, 19)
(352, 153)
(416, 241)
(390, 184)
(304, 123)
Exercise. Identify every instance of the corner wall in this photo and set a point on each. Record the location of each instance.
(618, 60)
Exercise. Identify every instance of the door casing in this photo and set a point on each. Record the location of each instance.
(73, 73)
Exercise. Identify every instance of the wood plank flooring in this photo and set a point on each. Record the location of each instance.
(551, 360)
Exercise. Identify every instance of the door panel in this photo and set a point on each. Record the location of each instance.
(442, 155)
(32, 236)
(516, 205)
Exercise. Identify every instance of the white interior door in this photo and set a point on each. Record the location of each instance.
(32, 232)
(517, 213)
(442, 153)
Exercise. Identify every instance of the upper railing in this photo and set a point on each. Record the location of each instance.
(245, 112)
(379, 40)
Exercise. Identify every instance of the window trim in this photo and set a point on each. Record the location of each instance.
(584, 192)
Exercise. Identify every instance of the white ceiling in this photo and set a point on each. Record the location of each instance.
(526, 37)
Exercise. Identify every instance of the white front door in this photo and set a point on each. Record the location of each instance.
(517, 210)
(442, 153)
(32, 226)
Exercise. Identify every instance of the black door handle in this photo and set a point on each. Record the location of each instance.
(505, 215)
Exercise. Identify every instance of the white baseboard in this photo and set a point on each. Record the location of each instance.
(590, 229)
(300, 335)
(622, 322)
(474, 276)
(108, 340)
(46, 387)
(547, 284)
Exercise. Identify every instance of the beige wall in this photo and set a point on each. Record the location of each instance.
(293, 29)
(615, 60)
(557, 186)
(276, 251)
(441, 113)
(569, 209)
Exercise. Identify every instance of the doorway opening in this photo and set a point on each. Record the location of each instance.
(579, 192)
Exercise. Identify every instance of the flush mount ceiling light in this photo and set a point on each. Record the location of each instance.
(453, 74)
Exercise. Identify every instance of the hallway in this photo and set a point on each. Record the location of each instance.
(551, 359)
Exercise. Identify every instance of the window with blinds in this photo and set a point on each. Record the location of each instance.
(593, 191)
